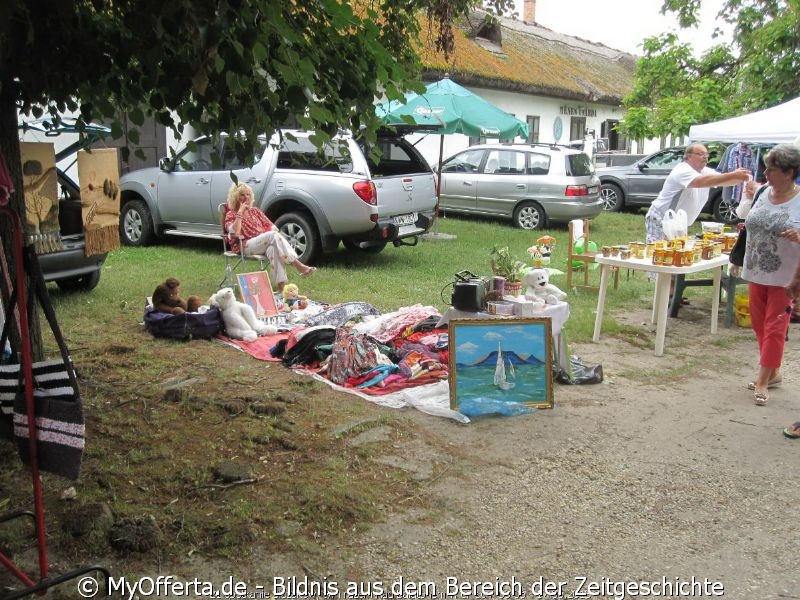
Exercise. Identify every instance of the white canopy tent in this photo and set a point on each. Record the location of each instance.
(776, 125)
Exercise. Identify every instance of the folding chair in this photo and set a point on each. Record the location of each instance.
(233, 260)
(586, 256)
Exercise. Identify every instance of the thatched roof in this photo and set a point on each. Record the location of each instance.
(532, 59)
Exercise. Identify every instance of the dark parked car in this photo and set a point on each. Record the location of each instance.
(637, 185)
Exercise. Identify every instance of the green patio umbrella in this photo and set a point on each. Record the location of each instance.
(449, 108)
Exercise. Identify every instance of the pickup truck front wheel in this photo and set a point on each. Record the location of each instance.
(299, 229)
(136, 224)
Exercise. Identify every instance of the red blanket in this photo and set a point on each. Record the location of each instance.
(259, 348)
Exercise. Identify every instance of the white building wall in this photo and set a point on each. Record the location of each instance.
(521, 105)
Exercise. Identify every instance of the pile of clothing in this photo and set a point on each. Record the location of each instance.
(355, 346)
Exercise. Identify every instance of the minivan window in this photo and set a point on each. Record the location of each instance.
(579, 165)
(538, 164)
(505, 162)
(304, 155)
(465, 162)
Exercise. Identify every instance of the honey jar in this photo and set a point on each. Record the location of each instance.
(669, 257)
(637, 249)
(648, 250)
(658, 256)
(708, 251)
(625, 253)
(606, 251)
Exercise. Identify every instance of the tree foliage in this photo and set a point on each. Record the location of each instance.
(674, 89)
(219, 65)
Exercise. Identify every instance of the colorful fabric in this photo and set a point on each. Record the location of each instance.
(254, 223)
(769, 258)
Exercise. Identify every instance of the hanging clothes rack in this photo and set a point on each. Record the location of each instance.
(44, 582)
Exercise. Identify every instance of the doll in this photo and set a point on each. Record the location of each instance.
(292, 298)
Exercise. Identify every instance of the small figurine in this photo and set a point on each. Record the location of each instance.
(292, 299)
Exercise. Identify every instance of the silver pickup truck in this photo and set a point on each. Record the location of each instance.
(317, 198)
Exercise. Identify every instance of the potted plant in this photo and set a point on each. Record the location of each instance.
(505, 265)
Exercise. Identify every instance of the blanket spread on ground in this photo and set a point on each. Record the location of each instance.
(259, 348)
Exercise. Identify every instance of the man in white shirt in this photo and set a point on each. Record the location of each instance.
(687, 187)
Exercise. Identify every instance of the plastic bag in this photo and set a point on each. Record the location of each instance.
(675, 224)
(581, 373)
(480, 406)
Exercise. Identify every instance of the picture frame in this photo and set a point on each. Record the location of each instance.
(256, 291)
(507, 360)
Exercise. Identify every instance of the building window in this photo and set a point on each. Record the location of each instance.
(577, 128)
(533, 129)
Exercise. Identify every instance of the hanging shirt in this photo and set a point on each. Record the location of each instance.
(740, 156)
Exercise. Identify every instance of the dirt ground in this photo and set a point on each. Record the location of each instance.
(666, 472)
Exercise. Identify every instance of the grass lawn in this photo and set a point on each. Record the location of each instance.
(395, 278)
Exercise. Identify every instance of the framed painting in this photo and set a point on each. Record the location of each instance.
(506, 360)
(256, 290)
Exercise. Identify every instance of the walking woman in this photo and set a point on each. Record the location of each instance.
(770, 262)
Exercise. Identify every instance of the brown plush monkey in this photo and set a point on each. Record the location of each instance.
(167, 298)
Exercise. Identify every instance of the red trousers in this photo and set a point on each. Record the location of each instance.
(770, 310)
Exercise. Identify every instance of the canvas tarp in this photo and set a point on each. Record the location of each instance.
(776, 125)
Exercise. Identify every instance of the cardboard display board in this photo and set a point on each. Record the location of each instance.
(41, 194)
(256, 291)
(98, 174)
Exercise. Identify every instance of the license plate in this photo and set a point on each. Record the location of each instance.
(409, 219)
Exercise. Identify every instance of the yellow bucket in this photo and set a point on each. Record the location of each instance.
(741, 301)
(742, 310)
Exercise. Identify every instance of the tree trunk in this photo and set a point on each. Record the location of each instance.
(9, 147)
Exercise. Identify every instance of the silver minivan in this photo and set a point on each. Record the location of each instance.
(533, 185)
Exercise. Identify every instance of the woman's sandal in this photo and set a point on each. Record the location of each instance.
(772, 384)
(309, 272)
(792, 432)
(760, 399)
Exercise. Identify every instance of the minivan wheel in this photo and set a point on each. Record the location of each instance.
(530, 215)
(611, 195)
(136, 224)
(302, 235)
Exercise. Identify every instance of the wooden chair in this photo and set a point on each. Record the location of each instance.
(586, 256)
(233, 260)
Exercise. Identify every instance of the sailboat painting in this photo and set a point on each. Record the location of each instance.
(506, 360)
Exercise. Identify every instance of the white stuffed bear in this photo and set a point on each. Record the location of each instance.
(540, 288)
(239, 318)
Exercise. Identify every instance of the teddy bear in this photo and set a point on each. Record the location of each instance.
(540, 288)
(239, 318)
(167, 298)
